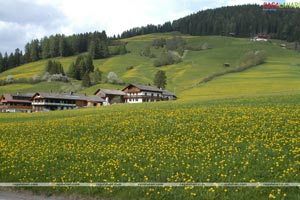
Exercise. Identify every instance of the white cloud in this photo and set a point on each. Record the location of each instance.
(29, 20)
(14, 34)
(38, 18)
(241, 2)
(115, 16)
(288, 1)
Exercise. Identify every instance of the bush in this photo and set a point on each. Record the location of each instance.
(253, 58)
(167, 58)
(129, 67)
(9, 79)
(55, 77)
(95, 77)
(147, 52)
(2, 82)
(159, 43)
(175, 43)
(114, 79)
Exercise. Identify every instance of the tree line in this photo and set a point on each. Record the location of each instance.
(241, 21)
(95, 43)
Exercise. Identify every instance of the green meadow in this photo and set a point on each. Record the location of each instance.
(278, 74)
(240, 127)
(247, 139)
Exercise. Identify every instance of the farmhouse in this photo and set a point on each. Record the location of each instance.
(260, 37)
(168, 96)
(141, 93)
(65, 101)
(16, 102)
(40, 101)
(110, 96)
(135, 93)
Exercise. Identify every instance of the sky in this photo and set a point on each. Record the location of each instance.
(24, 20)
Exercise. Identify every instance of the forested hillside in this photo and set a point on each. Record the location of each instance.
(241, 21)
(58, 45)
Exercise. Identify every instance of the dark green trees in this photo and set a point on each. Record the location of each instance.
(60, 45)
(1, 63)
(54, 67)
(83, 69)
(86, 80)
(160, 79)
(82, 66)
(98, 49)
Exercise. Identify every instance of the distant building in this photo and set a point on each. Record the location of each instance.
(16, 102)
(136, 93)
(111, 96)
(141, 93)
(168, 96)
(41, 101)
(260, 37)
(64, 101)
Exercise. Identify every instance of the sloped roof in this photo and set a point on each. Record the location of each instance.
(111, 92)
(145, 87)
(14, 98)
(168, 93)
(70, 96)
(95, 98)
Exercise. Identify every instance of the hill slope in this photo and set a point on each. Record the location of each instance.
(279, 74)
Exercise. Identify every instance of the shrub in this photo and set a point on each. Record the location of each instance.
(159, 43)
(167, 58)
(9, 79)
(114, 79)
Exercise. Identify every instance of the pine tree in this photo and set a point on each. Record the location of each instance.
(83, 64)
(86, 81)
(5, 61)
(103, 49)
(64, 49)
(45, 46)
(34, 50)
(1, 63)
(26, 57)
(94, 49)
(48, 66)
(54, 46)
(160, 79)
(11, 61)
(54, 67)
(95, 76)
(72, 71)
(17, 55)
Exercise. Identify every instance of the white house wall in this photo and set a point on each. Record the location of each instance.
(134, 100)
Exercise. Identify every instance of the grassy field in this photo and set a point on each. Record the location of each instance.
(241, 127)
(281, 69)
(235, 140)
